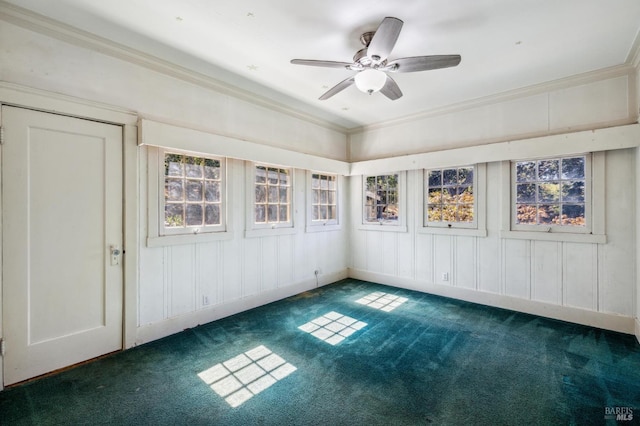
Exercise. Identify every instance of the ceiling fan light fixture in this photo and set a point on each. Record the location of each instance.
(370, 81)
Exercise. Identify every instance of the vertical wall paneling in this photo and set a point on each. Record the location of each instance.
(336, 250)
(232, 269)
(323, 253)
(197, 293)
(443, 261)
(359, 252)
(546, 271)
(166, 279)
(151, 290)
(489, 261)
(580, 275)
(465, 262)
(182, 280)
(302, 255)
(389, 251)
(517, 265)
(425, 255)
(616, 257)
(251, 268)
(375, 251)
(285, 260)
(207, 269)
(252, 274)
(269, 254)
(406, 243)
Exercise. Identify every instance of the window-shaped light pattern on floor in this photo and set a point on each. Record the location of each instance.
(246, 375)
(382, 301)
(333, 327)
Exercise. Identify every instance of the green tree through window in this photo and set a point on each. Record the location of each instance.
(551, 191)
(450, 195)
(192, 191)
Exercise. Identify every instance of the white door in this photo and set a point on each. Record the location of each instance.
(61, 214)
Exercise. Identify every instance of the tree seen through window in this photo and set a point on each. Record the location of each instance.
(551, 191)
(192, 191)
(450, 195)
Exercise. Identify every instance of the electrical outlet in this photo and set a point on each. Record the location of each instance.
(445, 276)
(205, 300)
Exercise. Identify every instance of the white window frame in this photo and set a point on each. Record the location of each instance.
(399, 225)
(323, 225)
(593, 232)
(478, 227)
(254, 229)
(157, 234)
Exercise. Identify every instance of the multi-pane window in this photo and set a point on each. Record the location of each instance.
(272, 202)
(551, 192)
(381, 199)
(193, 196)
(450, 196)
(324, 198)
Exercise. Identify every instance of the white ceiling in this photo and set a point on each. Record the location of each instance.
(505, 44)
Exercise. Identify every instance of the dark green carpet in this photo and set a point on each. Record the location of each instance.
(431, 360)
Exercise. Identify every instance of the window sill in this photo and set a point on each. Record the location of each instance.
(467, 232)
(174, 240)
(555, 236)
(384, 228)
(268, 232)
(323, 228)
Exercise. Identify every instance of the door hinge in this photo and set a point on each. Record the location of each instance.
(1, 135)
(2, 347)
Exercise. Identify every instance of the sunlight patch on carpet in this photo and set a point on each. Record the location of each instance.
(382, 301)
(240, 378)
(333, 327)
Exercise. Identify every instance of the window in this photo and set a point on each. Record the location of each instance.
(450, 197)
(322, 201)
(186, 197)
(381, 199)
(272, 200)
(193, 194)
(552, 194)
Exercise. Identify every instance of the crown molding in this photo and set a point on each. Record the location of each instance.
(50, 27)
(563, 83)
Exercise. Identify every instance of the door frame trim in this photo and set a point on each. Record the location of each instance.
(25, 97)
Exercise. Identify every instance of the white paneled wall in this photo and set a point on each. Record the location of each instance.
(543, 277)
(183, 285)
(584, 102)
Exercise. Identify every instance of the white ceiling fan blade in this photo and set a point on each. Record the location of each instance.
(338, 88)
(423, 63)
(326, 64)
(384, 39)
(391, 89)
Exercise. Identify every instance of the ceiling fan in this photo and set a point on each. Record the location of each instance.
(372, 64)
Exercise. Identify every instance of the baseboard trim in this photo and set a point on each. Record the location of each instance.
(602, 320)
(158, 330)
